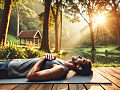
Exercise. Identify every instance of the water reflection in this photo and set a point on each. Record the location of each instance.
(104, 58)
(93, 58)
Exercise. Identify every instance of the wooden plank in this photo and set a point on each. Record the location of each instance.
(114, 80)
(111, 72)
(114, 69)
(76, 87)
(8, 86)
(110, 87)
(118, 68)
(60, 87)
(93, 87)
(22, 86)
(34, 87)
(45, 87)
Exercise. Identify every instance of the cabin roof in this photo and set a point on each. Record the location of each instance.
(29, 34)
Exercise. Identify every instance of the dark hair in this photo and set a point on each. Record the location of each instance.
(86, 69)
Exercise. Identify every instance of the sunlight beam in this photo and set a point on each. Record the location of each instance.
(100, 19)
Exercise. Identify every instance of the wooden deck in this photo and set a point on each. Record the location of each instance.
(111, 73)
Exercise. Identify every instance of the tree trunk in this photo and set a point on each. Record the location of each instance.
(17, 10)
(5, 21)
(61, 30)
(92, 37)
(56, 35)
(56, 25)
(45, 39)
(118, 30)
(114, 8)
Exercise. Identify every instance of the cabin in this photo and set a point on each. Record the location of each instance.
(30, 36)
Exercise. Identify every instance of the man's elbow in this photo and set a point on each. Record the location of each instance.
(31, 77)
(28, 76)
(34, 77)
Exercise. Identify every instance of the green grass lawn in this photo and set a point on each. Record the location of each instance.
(13, 39)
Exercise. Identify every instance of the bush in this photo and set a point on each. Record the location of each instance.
(33, 53)
(12, 51)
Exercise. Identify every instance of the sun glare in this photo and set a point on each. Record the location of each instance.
(100, 19)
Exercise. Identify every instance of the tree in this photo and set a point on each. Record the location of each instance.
(74, 9)
(90, 8)
(61, 28)
(18, 19)
(45, 38)
(5, 21)
(54, 18)
(115, 10)
(6, 18)
(23, 11)
(55, 14)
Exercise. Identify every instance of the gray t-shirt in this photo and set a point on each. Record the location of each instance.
(20, 68)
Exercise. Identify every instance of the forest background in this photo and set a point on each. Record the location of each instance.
(76, 35)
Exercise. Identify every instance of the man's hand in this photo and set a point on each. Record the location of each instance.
(49, 56)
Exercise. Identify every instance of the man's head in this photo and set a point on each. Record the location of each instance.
(83, 66)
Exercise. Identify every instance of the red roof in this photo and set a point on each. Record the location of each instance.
(29, 34)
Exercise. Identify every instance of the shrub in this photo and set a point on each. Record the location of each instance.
(33, 53)
(12, 51)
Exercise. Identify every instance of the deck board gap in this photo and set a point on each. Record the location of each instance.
(102, 86)
(16, 86)
(37, 87)
(52, 86)
(85, 86)
(28, 86)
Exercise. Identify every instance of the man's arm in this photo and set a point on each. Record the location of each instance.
(36, 67)
(53, 73)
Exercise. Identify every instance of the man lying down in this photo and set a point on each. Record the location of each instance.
(44, 68)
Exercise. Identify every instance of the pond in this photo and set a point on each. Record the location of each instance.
(102, 58)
